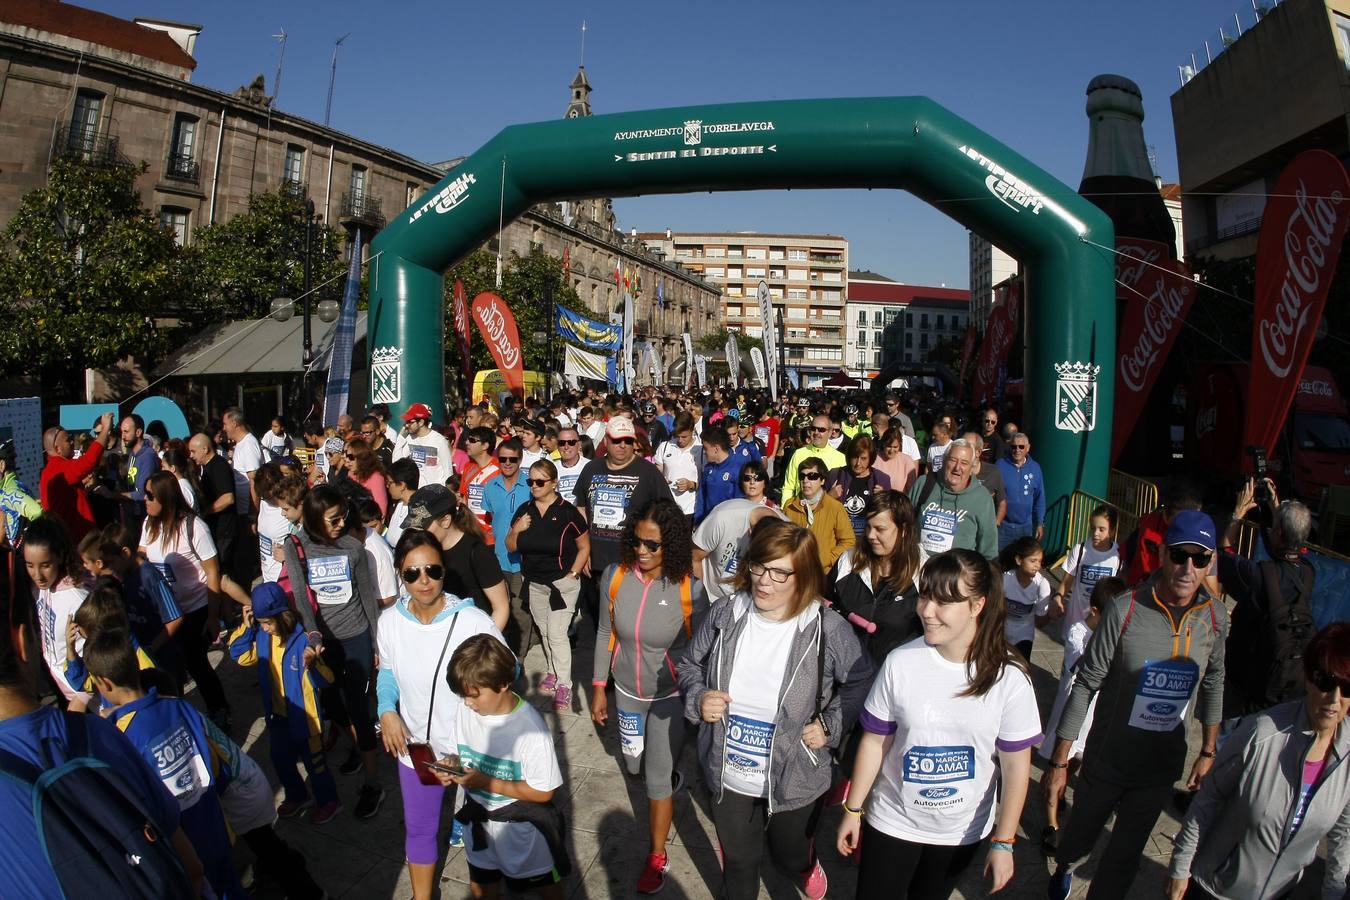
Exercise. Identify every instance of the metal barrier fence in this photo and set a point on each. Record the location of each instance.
(1131, 494)
(1081, 506)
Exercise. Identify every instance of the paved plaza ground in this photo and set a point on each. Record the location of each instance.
(606, 810)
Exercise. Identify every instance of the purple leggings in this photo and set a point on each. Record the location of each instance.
(421, 816)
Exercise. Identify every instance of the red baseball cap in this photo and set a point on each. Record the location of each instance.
(417, 411)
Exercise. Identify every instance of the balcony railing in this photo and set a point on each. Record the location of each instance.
(362, 208)
(182, 167)
(1210, 238)
(87, 144)
(292, 188)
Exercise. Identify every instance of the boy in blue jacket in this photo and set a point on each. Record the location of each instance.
(720, 479)
(290, 678)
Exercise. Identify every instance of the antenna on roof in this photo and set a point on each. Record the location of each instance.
(332, 76)
(583, 43)
(281, 61)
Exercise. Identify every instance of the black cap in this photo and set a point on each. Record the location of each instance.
(428, 504)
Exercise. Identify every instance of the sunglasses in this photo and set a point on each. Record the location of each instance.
(745, 479)
(538, 482)
(513, 460)
(1200, 560)
(351, 456)
(652, 546)
(812, 476)
(1326, 682)
(836, 431)
(562, 443)
(630, 441)
(991, 421)
(818, 429)
(413, 574)
(1021, 446)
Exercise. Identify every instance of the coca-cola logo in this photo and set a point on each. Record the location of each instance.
(1163, 313)
(1307, 238)
(1135, 258)
(1316, 389)
(999, 337)
(492, 319)
(1206, 420)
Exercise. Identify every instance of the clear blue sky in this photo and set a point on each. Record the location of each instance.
(435, 79)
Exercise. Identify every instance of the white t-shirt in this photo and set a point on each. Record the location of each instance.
(567, 478)
(595, 431)
(676, 463)
(273, 528)
(382, 564)
(189, 495)
(515, 747)
(410, 650)
(724, 535)
(1088, 565)
(938, 781)
(909, 446)
(761, 659)
(936, 454)
(1024, 605)
(1075, 642)
(247, 458)
(274, 444)
(431, 452)
(55, 608)
(530, 457)
(181, 562)
(394, 530)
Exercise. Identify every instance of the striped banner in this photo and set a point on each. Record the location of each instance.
(339, 386)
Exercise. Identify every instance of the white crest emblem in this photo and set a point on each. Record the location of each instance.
(386, 369)
(693, 132)
(1076, 396)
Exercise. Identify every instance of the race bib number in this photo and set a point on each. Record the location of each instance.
(567, 485)
(1090, 575)
(632, 726)
(1019, 610)
(330, 577)
(423, 456)
(762, 434)
(166, 570)
(748, 743)
(937, 530)
(608, 504)
(1164, 694)
(182, 770)
(938, 765)
(476, 498)
(265, 546)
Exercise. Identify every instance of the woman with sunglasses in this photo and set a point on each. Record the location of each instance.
(417, 637)
(551, 537)
(365, 468)
(775, 682)
(1279, 786)
(824, 516)
(639, 639)
(754, 482)
(333, 589)
(855, 483)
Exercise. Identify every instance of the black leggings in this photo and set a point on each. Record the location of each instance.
(896, 869)
(347, 702)
(740, 830)
(194, 645)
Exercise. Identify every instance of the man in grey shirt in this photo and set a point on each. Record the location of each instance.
(989, 476)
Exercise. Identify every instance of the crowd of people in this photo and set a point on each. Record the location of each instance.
(834, 599)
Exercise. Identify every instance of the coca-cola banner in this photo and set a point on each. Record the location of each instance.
(1296, 258)
(998, 337)
(498, 328)
(463, 333)
(967, 351)
(1157, 292)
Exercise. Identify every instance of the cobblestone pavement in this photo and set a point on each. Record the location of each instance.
(606, 810)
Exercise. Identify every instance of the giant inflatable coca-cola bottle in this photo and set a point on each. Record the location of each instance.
(1119, 179)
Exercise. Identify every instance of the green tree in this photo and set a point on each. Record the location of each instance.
(84, 268)
(237, 267)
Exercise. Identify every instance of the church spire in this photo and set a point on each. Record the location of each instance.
(580, 104)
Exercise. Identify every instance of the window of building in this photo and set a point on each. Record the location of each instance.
(776, 253)
(734, 290)
(862, 339)
(733, 311)
(357, 184)
(714, 271)
(877, 317)
(862, 317)
(775, 293)
(909, 342)
(754, 272)
(876, 358)
(941, 322)
(715, 252)
(84, 120)
(185, 137)
(923, 341)
(757, 253)
(796, 274)
(736, 251)
(832, 276)
(294, 167)
(176, 220)
(796, 312)
(412, 194)
(797, 255)
(779, 274)
(734, 271)
(909, 320)
(923, 321)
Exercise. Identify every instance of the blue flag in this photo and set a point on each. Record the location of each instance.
(588, 332)
(344, 339)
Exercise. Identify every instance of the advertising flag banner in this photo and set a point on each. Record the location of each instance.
(587, 332)
(701, 363)
(339, 385)
(1157, 292)
(1296, 256)
(629, 374)
(967, 351)
(997, 339)
(578, 363)
(733, 359)
(463, 332)
(498, 328)
(769, 335)
(688, 359)
(757, 357)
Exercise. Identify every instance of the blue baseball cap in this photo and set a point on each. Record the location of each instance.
(269, 600)
(1190, 526)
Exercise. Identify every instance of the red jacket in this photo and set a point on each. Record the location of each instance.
(63, 493)
(1146, 555)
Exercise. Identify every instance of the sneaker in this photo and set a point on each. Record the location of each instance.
(1060, 884)
(352, 764)
(322, 815)
(549, 684)
(456, 833)
(653, 876)
(290, 808)
(368, 803)
(1050, 840)
(562, 700)
(814, 883)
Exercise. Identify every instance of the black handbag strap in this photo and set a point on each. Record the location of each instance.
(436, 675)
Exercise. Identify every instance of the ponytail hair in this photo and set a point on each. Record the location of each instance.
(963, 576)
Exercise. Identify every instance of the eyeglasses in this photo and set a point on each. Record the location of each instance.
(746, 479)
(413, 574)
(630, 441)
(818, 429)
(1200, 560)
(812, 476)
(1326, 682)
(652, 546)
(562, 443)
(510, 460)
(539, 482)
(778, 576)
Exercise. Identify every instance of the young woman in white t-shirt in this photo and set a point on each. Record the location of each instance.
(950, 716)
(175, 460)
(56, 576)
(1026, 592)
(179, 545)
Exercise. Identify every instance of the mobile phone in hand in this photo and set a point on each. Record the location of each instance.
(449, 770)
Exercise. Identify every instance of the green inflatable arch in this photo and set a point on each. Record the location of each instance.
(908, 143)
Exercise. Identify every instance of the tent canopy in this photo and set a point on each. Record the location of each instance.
(255, 347)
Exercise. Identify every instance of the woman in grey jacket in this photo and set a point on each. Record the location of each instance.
(1279, 785)
(776, 681)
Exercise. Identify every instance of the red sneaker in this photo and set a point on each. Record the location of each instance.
(814, 883)
(653, 876)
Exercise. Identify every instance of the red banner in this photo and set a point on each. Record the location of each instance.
(1296, 258)
(967, 351)
(1158, 292)
(463, 335)
(498, 328)
(998, 338)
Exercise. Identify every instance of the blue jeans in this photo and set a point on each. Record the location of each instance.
(1009, 532)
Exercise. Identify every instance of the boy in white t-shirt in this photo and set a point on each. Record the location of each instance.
(1027, 594)
(510, 772)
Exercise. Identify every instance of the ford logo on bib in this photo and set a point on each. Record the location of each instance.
(1161, 709)
(936, 793)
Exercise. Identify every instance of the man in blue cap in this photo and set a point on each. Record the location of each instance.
(1158, 646)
